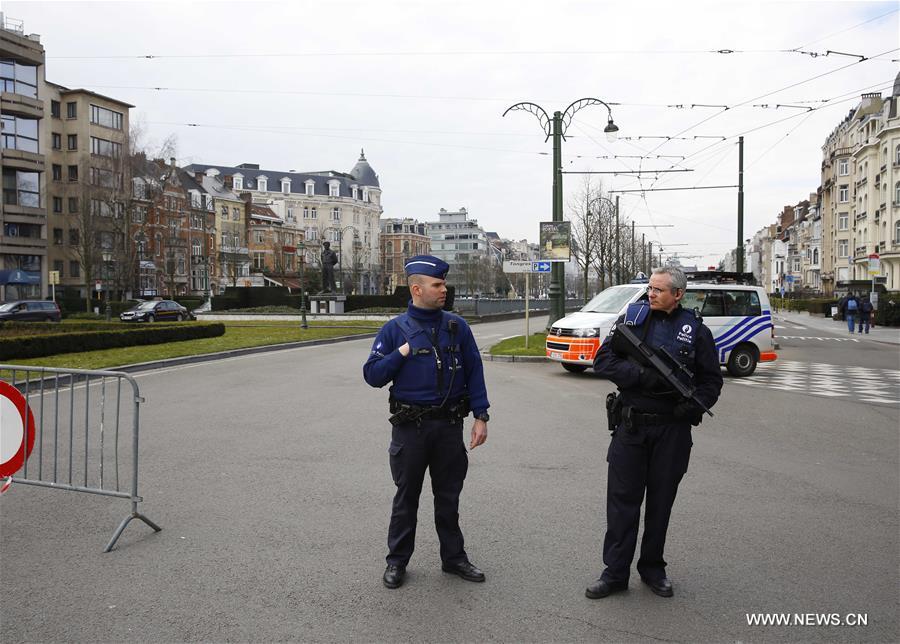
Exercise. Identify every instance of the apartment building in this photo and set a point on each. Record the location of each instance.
(400, 240)
(23, 212)
(88, 185)
(341, 207)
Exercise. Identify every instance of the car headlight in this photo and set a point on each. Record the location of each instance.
(587, 333)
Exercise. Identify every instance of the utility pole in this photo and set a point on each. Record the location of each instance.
(618, 251)
(644, 253)
(556, 127)
(633, 258)
(739, 251)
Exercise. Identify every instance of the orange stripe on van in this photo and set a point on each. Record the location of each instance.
(578, 347)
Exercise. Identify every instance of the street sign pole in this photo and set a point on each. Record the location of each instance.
(527, 288)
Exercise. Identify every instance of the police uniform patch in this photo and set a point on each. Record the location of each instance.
(685, 334)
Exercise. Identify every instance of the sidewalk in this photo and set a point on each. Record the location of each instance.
(889, 335)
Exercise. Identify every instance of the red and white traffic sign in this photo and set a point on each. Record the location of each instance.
(15, 441)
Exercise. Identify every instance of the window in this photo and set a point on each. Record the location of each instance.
(71, 110)
(355, 192)
(73, 205)
(259, 260)
(17, 78)
(335, 235)
(110, 179)
(843, 194)
(285, 186)
(897, 156)
(58, 236)
(57, 172)
(313, 214)
(310, 187)
(158, 244)
(897, 232)
(196, 248)
(815, 256)
(333, 189)
(21, 188)
(104, 148)
(312, 234)
(389, 248)
(57, 204)
(56, 139)
(73, 173)
(335, 214)
(306, 213)
(262, 184)
(843, 248)
(843, 167)
(290, 214)
(106, 118)
(224, 212)
(742, 303)
(74, 269)
(843, 221)
(897, 193)
(72, 142)
(74, 237)
(55, 110)
(235, 214)
(20, 133)
(58, 266)
(238, 182)
(259, 236)
(140, 214)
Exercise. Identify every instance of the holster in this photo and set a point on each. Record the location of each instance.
(613, 411)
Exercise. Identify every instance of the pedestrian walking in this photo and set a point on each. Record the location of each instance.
(651, 442)
(850, 310)
(865, 313)
(438, 378)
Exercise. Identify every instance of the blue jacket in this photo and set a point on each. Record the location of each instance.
(684, 335)
(416, 377)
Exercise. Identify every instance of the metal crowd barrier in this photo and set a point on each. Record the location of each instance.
(82, 421)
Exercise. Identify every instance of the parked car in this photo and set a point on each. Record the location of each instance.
(30, 311)
(156, 311)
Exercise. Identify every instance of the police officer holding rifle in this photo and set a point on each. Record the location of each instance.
(434, 363)
(663, 360)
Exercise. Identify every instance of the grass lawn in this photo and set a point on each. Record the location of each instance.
(516, 346)
(238, 335)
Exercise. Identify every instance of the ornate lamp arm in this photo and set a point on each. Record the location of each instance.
(585, 102)
(538, 111)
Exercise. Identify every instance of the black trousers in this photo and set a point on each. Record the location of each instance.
(650, 459)
(437, 445)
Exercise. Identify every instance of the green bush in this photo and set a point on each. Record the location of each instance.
(888, 313)
(190, 302)
(37, 346)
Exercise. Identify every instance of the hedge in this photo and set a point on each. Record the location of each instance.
(37, 346)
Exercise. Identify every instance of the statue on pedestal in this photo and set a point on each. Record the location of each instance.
(328, 259)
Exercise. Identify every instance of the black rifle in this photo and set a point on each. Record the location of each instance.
(666, 368)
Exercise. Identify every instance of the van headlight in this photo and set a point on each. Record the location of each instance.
(587, 333)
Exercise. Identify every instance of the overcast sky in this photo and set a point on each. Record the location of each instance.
(422, 87)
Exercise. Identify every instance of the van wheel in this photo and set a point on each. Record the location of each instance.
(742, 362)
(151, 319)
(574, 368)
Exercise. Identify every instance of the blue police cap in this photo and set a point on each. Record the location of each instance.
(427, 265)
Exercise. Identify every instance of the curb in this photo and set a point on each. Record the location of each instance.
(492, 358)
(234, 353)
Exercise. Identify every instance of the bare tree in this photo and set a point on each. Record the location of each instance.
(592, 219)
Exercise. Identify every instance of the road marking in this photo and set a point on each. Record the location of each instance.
(814, 337)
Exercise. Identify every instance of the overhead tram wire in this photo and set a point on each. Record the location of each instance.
(856, 26)
(351, 138)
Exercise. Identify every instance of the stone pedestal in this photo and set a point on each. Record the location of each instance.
(324, 304)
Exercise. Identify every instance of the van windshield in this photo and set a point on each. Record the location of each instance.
(612, 299)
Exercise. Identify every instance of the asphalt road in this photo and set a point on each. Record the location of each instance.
(268, 474)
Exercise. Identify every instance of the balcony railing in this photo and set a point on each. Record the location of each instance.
(860, 215)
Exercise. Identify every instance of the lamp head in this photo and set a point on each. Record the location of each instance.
(611, 131)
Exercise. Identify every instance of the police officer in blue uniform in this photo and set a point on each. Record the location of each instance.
(431, 357)
(651, 443)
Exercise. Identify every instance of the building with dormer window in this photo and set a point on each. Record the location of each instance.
(351, 207)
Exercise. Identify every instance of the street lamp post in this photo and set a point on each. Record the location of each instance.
(556, 127)
(302, 248)
(107, 258)
(340, 242)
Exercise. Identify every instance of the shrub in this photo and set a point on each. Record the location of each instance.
(37, 346)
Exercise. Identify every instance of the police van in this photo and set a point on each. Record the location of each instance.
(738, 315)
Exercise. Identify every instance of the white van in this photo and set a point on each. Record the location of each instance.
(739, 317)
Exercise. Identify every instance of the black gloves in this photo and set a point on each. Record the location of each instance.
(651, 380)
(690, 411)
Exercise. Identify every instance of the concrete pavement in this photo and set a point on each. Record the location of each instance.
(888, 335)
(268, 474)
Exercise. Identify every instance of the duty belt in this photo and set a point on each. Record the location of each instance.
(408, 412)
(642, 418)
